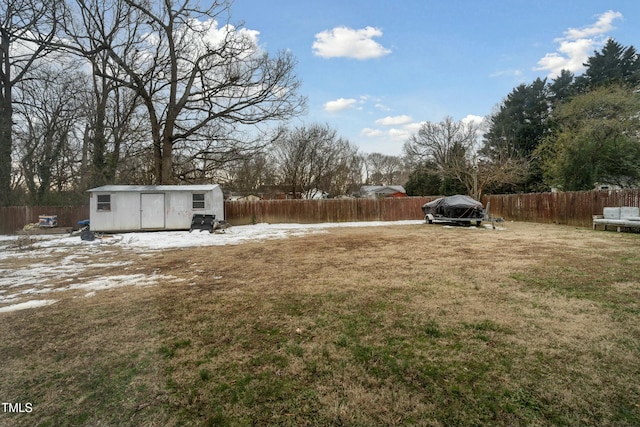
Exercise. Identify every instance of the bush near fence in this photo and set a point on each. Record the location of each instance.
(571, 208)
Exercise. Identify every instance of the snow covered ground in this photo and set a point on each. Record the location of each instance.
(182, 239)
(28, 278)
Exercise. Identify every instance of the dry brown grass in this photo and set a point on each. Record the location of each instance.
(400, 325)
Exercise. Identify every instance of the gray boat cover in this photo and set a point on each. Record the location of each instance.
(457, 206)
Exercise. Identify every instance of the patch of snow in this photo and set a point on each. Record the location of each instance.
(9, 298)
(39, 277)
(35, 274)
(28, 304)
(180, 239)
(238, 234)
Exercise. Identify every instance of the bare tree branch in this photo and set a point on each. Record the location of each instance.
(452, 148)
(192, 72)
(26, 28)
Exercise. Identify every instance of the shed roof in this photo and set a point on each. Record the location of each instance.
(152, 188)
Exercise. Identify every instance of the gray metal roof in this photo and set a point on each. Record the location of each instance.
(152, 188)
(382, 189)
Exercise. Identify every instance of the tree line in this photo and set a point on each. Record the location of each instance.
(107, 91)
(569, 133)
(97, 92)
(313, 161)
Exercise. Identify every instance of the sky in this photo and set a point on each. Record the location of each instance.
(374, 70)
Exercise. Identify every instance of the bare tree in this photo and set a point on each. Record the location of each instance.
(194, 76)
(249, 174)
(383, 169)
(311, 158)
(347, 175)
(113, 123)
(214, 156)
(452, 150)
(26, 27)
(47, 131)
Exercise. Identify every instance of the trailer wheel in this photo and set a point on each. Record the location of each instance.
(427, 219)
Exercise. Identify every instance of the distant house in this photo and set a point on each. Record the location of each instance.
(314, 193)
(377, 191)
(600, 186)
(152, 207)
(244, 198)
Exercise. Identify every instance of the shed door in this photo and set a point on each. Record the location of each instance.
(152, 210)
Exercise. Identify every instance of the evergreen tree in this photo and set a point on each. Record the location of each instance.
(614, 64)
(425, 181)
(518, 127)
(562, 87)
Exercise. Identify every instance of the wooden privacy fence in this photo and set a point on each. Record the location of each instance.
(325, 210)
(13, 218)
(571, 208)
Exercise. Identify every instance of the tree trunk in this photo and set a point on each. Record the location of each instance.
(167, 162)
(6, 113)
(6, 123)
(99, 143)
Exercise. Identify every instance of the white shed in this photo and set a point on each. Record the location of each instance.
(152, 207)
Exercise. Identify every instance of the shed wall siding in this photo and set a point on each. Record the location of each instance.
(125, 214)
(214, 200)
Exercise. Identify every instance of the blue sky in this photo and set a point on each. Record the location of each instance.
(374, 70)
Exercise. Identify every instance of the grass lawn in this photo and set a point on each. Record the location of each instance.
(400, 325)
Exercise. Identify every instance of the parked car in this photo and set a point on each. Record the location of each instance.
(456, 209)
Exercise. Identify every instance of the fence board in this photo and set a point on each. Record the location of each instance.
(571, 208)
(13, 218)
(326, 210)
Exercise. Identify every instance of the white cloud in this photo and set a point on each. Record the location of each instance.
(414, 127)
(393, 134)
(577, 44)
(572, 56)
(508, 73)
(349, 43)
(399, 134)
(377, 102)
(472, 118)
(394, 121)
(603, 25)
(339, 104)
(371, 133)
(209, 32)
(404, 128)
